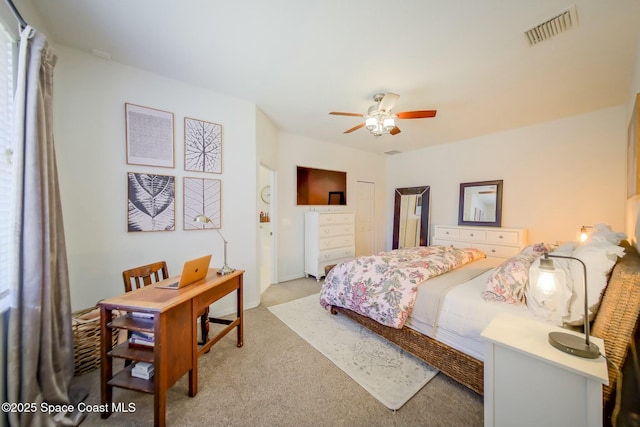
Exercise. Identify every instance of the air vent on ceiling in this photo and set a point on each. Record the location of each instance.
(392, 152)
(559, 23)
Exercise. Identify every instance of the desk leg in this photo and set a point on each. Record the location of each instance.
(240, 313)
(204, 326)
(106, 365)
(160, 408)
(193, 372)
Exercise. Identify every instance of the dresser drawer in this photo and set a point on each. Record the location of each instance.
(498, 251)
(447, 233)
(335, 242)
(503, 237)
(451, 243)
(335, 230)
(335, 254)
(473, 235)
(338, 218)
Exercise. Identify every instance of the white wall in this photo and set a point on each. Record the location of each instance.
(557, 176)
(90, 145)
(580, 181)
(295, 150)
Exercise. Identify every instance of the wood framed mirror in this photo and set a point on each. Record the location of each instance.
(411, 217)
(480, 203)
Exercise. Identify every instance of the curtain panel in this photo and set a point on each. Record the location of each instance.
(40, 341)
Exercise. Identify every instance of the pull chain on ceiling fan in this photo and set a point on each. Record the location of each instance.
(379, 119)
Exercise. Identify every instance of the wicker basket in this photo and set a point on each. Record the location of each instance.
(86, 340)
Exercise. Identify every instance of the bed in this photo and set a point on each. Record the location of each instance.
(614, 322)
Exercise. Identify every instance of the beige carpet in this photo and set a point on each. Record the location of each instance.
(390, 374)
(278, 379)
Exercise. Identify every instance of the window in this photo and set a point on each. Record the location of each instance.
(7, 45)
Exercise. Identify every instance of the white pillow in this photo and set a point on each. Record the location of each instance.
(604, 232)
(599, 256)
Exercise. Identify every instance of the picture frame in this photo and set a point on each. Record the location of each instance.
(149, 136)
(202, 196)
(480, 203)
(202, 146)
(633, 150)
(151, 202)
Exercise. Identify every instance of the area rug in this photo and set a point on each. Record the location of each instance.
(390, 374)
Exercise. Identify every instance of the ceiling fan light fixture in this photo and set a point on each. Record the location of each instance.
(371, 123)
(379, 119)
(388, 124)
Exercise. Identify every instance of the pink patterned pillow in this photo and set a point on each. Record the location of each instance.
(508, 281)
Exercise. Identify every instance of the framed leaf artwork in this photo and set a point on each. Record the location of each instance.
(202, 146)
(202, 197)
(149, 134)
(151, 202)
(633, 150)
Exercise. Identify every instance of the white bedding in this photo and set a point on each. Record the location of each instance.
(463, 313)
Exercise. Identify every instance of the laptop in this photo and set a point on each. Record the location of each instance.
(192, 271)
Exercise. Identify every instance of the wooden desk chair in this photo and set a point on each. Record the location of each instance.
(152, 273)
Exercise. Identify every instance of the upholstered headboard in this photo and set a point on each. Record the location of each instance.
(617, 316)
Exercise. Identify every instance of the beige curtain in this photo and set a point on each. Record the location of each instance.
(40, 342)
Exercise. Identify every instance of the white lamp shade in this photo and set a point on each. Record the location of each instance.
(547, 281)
(389, 123)
(371, 123)
(544, 283)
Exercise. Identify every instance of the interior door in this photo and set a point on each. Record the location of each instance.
(365, 218)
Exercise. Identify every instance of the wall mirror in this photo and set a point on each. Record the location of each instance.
(480, 203)
(411, 217)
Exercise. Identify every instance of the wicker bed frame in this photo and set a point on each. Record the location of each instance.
(615, 323)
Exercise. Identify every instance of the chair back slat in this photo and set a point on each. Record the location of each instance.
(144, 275)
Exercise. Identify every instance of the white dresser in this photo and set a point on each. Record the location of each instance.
(329, 238)
(493, 241)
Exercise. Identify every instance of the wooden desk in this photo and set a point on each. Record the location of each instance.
(173, 320)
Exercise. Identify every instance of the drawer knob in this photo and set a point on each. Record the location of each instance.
(493, 250)
(446, 232)
(501, 236)
(471, 234)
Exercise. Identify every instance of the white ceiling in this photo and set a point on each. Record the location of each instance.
(299, 59)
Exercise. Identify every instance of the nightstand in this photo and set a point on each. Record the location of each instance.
(527, 382)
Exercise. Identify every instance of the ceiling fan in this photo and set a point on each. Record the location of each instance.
(379, 119)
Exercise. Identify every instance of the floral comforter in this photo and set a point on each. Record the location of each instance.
(383, 287)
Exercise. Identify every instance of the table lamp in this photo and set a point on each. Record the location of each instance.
(225, 268)
(549, 278)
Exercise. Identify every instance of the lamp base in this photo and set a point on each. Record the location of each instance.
(574, 345)
(226, 270)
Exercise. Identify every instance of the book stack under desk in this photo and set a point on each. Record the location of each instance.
(142, 370)
(141, 339)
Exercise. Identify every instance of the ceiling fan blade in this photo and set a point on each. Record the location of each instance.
(388, 102)
(395, 130)
(354, 128)
(337, 113)
(420, 114)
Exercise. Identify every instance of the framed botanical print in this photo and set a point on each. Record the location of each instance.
(202, 146)
(149, 136)
(633, 150)
(202, 197)
(151, 202)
